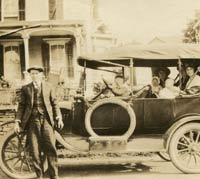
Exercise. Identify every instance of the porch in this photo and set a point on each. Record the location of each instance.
(54, 46)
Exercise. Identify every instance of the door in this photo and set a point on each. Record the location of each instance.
(158, 114)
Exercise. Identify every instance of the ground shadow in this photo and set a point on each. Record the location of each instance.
(104, 169)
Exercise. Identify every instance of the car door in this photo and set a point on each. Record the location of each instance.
(158, 114)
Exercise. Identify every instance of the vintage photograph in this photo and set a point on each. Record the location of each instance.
(99, 89)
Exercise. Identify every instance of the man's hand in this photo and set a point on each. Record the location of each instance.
(16, 127)
(60, 123)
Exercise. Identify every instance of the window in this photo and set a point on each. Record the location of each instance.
(12, 66)
(70, 64)
(56, 9)
(52, 9)
(12, 10)
(57, 58)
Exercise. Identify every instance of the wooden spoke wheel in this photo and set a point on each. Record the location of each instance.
(15, 158)
(184, 148)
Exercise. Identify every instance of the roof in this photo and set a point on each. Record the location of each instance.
(144, 55)
(166, 39)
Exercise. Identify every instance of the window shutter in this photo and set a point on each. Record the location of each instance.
(21, 9)
(1, 60)
(45, 58)
(52, 6)
(69, 55)
(22, 58)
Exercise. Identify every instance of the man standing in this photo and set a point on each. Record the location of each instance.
(37, 114)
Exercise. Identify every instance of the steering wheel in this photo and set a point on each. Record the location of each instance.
(106, 83)
(107, 87)
(141, 91)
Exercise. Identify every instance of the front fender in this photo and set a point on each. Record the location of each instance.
(184, 120)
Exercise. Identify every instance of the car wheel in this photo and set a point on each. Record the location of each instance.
(111, 101)
(184, 148)
(15, 159)
(165, 156)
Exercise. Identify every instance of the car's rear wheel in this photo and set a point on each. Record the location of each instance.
(184, 148)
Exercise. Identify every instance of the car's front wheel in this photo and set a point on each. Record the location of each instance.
(184, 148)
(165, 156)
(15, 158)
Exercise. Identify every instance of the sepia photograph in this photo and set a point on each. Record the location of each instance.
(99, 89)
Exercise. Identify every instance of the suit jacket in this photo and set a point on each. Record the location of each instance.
(26, 103)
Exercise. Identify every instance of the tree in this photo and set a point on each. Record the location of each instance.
(192, 32)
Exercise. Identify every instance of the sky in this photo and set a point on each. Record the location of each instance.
(142, 20)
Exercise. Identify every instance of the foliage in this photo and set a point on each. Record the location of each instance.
(192, 30)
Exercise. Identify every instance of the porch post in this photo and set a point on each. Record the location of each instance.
(26, 49)
(78, 46)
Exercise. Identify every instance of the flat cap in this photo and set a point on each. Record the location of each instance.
(38, 68)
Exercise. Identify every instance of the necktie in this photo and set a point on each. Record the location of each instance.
(37, 85)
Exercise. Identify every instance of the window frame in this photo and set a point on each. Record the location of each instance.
(12, 45)
(21, 12)
(55, 43)
(60, 41)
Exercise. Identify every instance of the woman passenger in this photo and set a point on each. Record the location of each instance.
(194, 79)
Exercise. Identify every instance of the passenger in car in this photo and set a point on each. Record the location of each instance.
(194, 79)
(163, 74)
(155, 86)
(182, 78)
(170, 91)
(119, 88)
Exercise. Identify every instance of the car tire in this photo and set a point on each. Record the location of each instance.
(184, 148)
(165, 156)
(11, 149)
(116, 101)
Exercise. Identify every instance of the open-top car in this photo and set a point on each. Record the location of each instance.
(112, 123)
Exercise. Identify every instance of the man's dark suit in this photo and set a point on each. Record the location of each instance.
(39, 127)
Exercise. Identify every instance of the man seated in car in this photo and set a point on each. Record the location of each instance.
(109, 89)
(119, 87)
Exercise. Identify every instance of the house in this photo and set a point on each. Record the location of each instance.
(60, 31)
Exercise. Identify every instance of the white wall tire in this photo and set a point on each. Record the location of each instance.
(184, 148)
(116, 101)
(165, 156)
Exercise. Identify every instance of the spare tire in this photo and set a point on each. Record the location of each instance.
(110, 117)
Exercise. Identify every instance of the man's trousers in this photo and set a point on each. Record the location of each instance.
(41, 138)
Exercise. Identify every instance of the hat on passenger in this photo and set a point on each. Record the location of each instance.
(190, 65)
(38, 68)
(165, 69)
